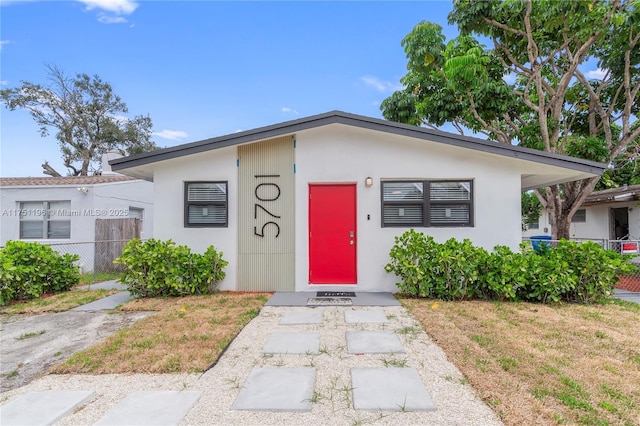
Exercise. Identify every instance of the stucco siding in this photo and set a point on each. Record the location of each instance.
(104, 201)
(351, 155)
(169, 178)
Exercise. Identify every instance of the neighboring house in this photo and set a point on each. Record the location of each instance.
(611, 214)
(315, 203)
(62, 211)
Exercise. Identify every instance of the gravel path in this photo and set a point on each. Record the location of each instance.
(332, 403)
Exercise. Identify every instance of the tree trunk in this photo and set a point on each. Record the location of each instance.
(561, 227)
(564, 200)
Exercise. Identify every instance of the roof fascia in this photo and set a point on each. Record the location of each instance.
(339, 117)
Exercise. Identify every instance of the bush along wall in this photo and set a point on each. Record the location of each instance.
(457, 270)
(30, 269)
(161, 268)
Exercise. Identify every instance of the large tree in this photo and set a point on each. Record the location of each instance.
(88, 117)
(531, 88)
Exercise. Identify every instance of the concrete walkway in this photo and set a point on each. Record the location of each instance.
(629, 296)
(290, 359)
(109, 302)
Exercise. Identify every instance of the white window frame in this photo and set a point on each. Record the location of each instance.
(45, 215)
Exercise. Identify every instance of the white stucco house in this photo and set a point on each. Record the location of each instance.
(611, 214)
(62, 211)
(315, 203)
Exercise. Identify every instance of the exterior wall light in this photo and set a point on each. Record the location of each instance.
(368, 182)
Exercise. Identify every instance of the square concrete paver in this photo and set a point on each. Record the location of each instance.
(301, 317)
(277, 389)
(151, 408)
(389, 389)
(373, 342)
(365, 317)
(293, 343)
(42, 408)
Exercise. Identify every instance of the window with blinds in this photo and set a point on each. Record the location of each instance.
(580, 216)
(427, 203)
(206, 204)
(45, 220)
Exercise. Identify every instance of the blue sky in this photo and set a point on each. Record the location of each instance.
(206, 68)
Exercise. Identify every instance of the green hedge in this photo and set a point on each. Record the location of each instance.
(27, 270)
(454, 270)
(161, 268)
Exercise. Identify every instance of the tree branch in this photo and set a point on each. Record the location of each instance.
(48, 170)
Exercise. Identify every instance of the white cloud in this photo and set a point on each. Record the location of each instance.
(597, 74)
(3, 42)
(113, 8)
(380, 85)
(287, 110)
(3, 82)
(174, 135)
(119, 7)
(106, 19)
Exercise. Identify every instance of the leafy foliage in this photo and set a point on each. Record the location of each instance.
(27, 270)
(87, 115)
(529, 87)
(161, 268)
(531, 209)
(446, 271)
(626, 168)
(454, 270)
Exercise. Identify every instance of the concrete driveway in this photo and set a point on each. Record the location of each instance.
(30, 344)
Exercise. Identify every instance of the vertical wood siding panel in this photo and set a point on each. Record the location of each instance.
(266, 206)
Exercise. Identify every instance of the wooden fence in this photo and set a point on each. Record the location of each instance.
(111, 237)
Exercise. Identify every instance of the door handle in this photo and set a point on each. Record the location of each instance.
(351, 234)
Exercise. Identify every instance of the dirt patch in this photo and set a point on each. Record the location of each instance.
(32, 344)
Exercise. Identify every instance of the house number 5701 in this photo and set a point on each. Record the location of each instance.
(266, 191)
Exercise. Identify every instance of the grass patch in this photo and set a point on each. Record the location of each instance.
(30, 335)
(56, 302)
(560, 364)
(392, 361)
(12, 374)
(90, 277)
(186, 334)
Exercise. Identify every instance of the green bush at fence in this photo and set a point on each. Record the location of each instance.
(454, 270)
(30, 269)
(161, 268)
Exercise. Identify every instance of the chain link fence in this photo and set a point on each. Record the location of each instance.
(95, 256)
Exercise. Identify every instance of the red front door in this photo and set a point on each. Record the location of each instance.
(332, 234)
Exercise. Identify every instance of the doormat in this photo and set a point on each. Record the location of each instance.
(336, 294)
(329, 301)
